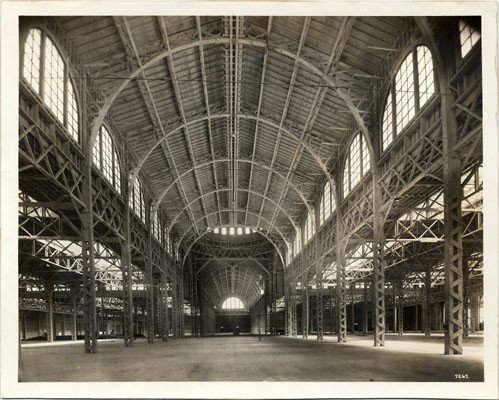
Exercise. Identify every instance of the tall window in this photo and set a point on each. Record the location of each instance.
(356, 165)
(297, 244)
(387, 123)
(105, 158)
(468, 36)
(168, 242)
(137, 201)
(52, 81)
(155, 228)
(413, 87)
(31, 67)
(233, 303)
(327, 203)
(309, 227)
(404, 93)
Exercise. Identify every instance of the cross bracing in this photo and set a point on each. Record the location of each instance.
(241, 122)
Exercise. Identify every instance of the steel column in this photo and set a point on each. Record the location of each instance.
(427, 308)
(174, 310)
(88, 268)
(49, 287)
(466, 301)
(149, 282)
(305, 316)
(365, 322)
(352, 309)
(341, 278)
(400, 307)
(379, 264)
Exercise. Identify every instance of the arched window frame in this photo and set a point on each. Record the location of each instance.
(308, 227)
(356, 164)
(137, 200)
(168, 241)
(66, 109)
(155, 225)
(468, 37)
(233, 303)
(412, 87)
(105, 158)
(327, 204)
(297, 244)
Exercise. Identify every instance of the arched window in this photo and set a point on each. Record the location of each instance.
(309, 228)
(413, 87)
(168, 242)
(327, 204)
(137, 202)
(105, 158)
(233, 303)
(297, 244)
(155, 228)
(468, 37)
(56, 88)
(356, 164)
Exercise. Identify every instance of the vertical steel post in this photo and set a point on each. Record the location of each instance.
(453, 228)
(149, 281)
(287, 330)
(294, 327)
(400, 305)
(74, 327)
(352, 322)
(191, 299)
(365, 322)
(379, 264)
(49, 288)
(164, 304)
(466, 301)
(126, 272)
(341, 311)
(87, 237)
(394, 304)
(427, 308)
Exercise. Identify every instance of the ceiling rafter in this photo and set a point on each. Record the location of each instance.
(303, 36)
(334, 58)
(259, 109)
(207, 102)
(180, 105)
(131, 49)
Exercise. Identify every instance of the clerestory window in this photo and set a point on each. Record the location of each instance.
(45, 70)
(414, 85)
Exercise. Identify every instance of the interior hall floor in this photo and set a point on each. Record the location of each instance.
(407, 358)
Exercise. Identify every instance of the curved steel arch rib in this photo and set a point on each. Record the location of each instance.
(238, 211)
(228, 190)
(99, 119)
(257, 263)
(261, 119)
(241, 160)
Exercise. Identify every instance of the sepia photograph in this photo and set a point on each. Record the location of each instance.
(251, 197)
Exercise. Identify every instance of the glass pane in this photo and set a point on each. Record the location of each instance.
(387, 123)
(31, 67)
(72, 120)
(468, 36)
(404, 93)
(54, 80)
(425, 75)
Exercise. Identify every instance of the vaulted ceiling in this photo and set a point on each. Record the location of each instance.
(232, 120)
(229, 115)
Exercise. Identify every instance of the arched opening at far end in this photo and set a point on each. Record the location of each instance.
(233, 303)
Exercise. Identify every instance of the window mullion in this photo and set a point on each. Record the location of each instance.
(42, 64)
(416, 79)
